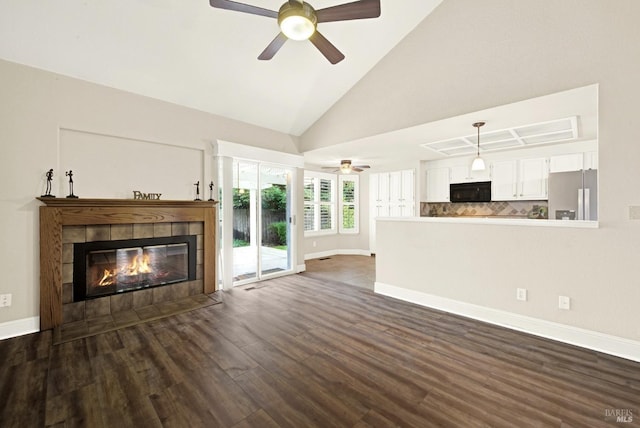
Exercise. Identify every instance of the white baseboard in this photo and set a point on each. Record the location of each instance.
(301, 268)
(613, 345)
(337, 253)
(19, 327)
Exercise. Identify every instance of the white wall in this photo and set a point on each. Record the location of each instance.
(472, 55)
(51, 121)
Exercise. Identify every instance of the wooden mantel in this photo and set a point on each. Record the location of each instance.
(60, 212)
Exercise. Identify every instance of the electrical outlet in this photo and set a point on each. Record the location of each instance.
(521, 294)
(314, 244)
(634, 213)
(5, 300)
(564, 302)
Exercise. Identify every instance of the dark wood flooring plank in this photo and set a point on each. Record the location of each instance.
(290, 381)
(176, 408)
(227, 355)
(70, 368)
(302, 351)
(208, 388)
(293, 403)
(259, 418)
(77, 408)
(23, 393)
(354, 385)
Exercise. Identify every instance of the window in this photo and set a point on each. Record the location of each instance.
(319, 203)
(348, 198)
(330, 203)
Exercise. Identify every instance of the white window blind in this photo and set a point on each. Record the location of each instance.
(349, 204)
(319, 203)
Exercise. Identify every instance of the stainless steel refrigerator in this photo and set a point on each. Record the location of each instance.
(573, 195)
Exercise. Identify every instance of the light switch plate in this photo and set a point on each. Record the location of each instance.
(564, 302)
(521, 294)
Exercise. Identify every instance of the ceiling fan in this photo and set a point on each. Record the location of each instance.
(298, 21)
(346, 167)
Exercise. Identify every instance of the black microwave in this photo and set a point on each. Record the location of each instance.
(479, 191)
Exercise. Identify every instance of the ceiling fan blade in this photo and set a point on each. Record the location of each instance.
(326, 48)
(241, 7)
(356, 169)
(273, 47)
(332, 168)
(344, 12)
(362, 166)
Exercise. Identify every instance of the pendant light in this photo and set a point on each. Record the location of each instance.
(478, 162)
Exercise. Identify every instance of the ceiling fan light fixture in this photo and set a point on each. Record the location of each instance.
(345, 167)
(297, 21)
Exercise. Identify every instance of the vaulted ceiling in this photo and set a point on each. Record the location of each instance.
(188, 53)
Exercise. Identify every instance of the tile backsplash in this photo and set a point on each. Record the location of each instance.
(518, 209)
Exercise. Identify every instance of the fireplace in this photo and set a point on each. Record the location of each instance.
(102, 268)
(67, 222)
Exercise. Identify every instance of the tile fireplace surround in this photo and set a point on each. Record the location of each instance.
(63, 220)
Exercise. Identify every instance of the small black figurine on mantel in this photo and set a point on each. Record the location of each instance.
(47, 193)
(197, 184)
(70, 175)
(211, 191)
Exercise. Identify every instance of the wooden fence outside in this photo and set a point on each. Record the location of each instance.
(242, 225)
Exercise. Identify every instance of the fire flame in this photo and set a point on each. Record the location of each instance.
(138, 265)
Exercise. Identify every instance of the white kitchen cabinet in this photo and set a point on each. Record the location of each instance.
(378, 203)
(464, 174)
(524, 179)
(408, 194)
(565, 163)
(504, 180)
(391, 194)
(395, 190)
(459, 174)
(379, 195)
(438, 181)
(401, 193)
(533, 175)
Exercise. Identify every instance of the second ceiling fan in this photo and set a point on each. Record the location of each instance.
(298, 21)
(346, 167)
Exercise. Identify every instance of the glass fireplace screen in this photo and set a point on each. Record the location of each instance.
(131, 265)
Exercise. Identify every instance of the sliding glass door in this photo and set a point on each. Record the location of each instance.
(275, 209)
(261, 220)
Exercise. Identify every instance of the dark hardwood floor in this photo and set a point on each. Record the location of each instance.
(299, 351)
